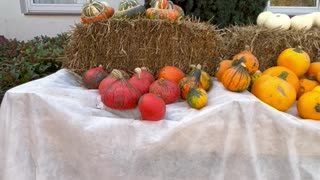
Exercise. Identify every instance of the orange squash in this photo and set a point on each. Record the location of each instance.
(274, 91)
(308, 105)
(236, 78)
(171, 73)
(313, 70)
(317, 88)
(246, 57)
(294, 59)
(306, 85)
(222, 67)
(291, 78)
(191, 81)
(318, 77)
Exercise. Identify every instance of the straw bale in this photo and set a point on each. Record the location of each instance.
(266, 44)
(129, 43)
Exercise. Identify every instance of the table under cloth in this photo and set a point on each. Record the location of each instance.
(55, 129)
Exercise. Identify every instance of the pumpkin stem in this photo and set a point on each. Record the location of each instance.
(283, 75)
(243, 64)
(138, 71)
(117, 74)
(317, 108)
(199, 66)
(298, 49)
(247, 47)
(192, 66)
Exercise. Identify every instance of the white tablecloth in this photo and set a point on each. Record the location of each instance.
(52, 129)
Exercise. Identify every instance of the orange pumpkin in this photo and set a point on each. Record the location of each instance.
(306, 85)
(291, 78)
(318, 77)
(308, 105)
(294, 59)
(317, 88)
(274, 91)
(313, 70)
(246, 57)
(236, 78)
(222, 67)
(171, 73)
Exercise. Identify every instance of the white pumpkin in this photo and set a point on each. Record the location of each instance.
(302, 22)
(278, 21)
(316, 20)
(262, 17)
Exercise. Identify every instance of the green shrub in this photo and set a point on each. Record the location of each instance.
(223, 13)
(21, 62)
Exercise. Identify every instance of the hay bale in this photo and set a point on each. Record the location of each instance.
(126, 44)
(266, 44)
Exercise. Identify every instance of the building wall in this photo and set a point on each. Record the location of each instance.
(14, 24)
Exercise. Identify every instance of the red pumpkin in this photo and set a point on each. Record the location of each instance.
(168, 90)
(120, 95)
(146, 74)
(152, 107)
(141, 80)
(92, 78)
(107, 81)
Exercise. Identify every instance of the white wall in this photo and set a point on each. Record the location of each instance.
(14, 24)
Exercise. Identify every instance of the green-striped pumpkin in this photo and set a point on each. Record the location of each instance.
(236, 78)
(197, 98)
(129, 8)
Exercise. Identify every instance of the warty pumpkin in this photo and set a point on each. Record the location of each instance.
(274, 91)
(246, 57)
(308, 105)
(222, 67)
(197, 98)
(236, 78)
(294, 59)
(188, 82)
(169, 13)
(291, 77)
(94, 11)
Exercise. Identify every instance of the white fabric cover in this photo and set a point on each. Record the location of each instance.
(52, 129)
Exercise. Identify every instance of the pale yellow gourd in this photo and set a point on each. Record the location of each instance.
(262, 17)
(302, 22)
(316, 20)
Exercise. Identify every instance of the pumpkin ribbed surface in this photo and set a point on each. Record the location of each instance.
(222, 67)
(236, 78)
(246, 57)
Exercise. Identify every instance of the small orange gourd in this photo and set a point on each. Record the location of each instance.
(246, 57)
(308, 105)
(236, 78)
(318, 77)
(294, 59)
(171, 73)
(222, 67)
(306, 85)
(291, 78)
(274, 91)
(313, 70)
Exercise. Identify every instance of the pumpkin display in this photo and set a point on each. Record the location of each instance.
(128, 8)
(313, 70)
(169, 13)
(308, 105)
(177, 8)
(306, 85)
(246, 57)
(197, 98)
(294, 59)
(290, 76)
(141, 80)
(278, 21)
(274, 91)
(205, 79)
(171, 73)
(262, 17)
(188, 82)
(92, 78)
(302, 22)
(236, 78)
(253, 78)
(222, 67)
(94, 11)
(168, 90)
(151, 107)
(120, 94)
